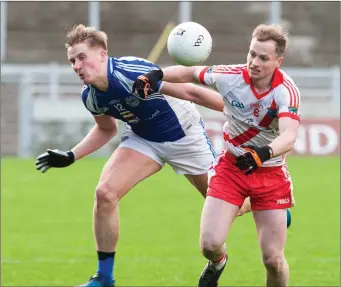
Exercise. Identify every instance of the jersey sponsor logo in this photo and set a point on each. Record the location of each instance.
(132, 101)
(237, 104)
(155, 114)
(248, 121)
(283, 201)
(255, 105)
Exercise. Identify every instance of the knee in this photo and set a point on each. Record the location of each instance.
(273, 262)
(210, 245)
(106, 196)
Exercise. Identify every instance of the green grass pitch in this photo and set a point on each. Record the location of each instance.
(46, 232)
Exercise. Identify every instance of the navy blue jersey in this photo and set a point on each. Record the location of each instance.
(158, 118)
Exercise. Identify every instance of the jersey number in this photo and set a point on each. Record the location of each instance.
(126, 114)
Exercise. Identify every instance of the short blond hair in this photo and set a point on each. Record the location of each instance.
(273, 32)
(80, 33)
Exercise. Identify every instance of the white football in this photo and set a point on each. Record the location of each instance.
(189, 44)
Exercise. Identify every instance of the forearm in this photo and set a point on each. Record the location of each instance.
(179, 74)
(208, 98)
(283, 143)
(93, 141)
(193, 93)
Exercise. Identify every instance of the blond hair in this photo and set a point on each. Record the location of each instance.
(273, 32)
(80, 33)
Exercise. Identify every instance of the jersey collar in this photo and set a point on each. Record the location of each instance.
(276, 81)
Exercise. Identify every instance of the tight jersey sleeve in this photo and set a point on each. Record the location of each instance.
(127, 69)
(220, 77)
(288, 100)
(89, 101)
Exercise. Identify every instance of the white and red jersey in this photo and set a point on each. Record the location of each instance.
(252, 118)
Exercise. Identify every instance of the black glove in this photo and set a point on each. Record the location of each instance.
(54, 158)
(146, 84)
(254, 158)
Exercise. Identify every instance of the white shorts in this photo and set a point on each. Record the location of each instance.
(193, 154)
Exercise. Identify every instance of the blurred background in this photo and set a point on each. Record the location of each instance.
(40, 98)
(46, 236)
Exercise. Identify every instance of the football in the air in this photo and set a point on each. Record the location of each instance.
(189, 44)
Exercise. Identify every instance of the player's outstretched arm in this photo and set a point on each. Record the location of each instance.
(182, 74)
(104, 130)
(99, 135)
(199, 95)
(146, 84)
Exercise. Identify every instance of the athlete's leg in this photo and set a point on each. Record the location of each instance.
(125, 168)
(246, 208)
(271, 195)
(216, 219)
(225, 196)
(271, 228)
(200, 182)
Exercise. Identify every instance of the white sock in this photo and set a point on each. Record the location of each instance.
(220, 263)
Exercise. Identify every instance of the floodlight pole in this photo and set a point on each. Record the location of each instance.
(94, 14)
(3, 29)
(275, 14)
(185, 11)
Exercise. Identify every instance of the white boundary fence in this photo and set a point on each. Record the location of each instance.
(51, 92)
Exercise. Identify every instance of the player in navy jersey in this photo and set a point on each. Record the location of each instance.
(159, 130)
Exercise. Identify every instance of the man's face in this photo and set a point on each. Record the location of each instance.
(86, 61)
(262, 59)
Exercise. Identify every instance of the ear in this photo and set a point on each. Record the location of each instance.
(103, 55)
(279, 61)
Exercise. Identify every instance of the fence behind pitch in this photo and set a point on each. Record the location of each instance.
(46, 111)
